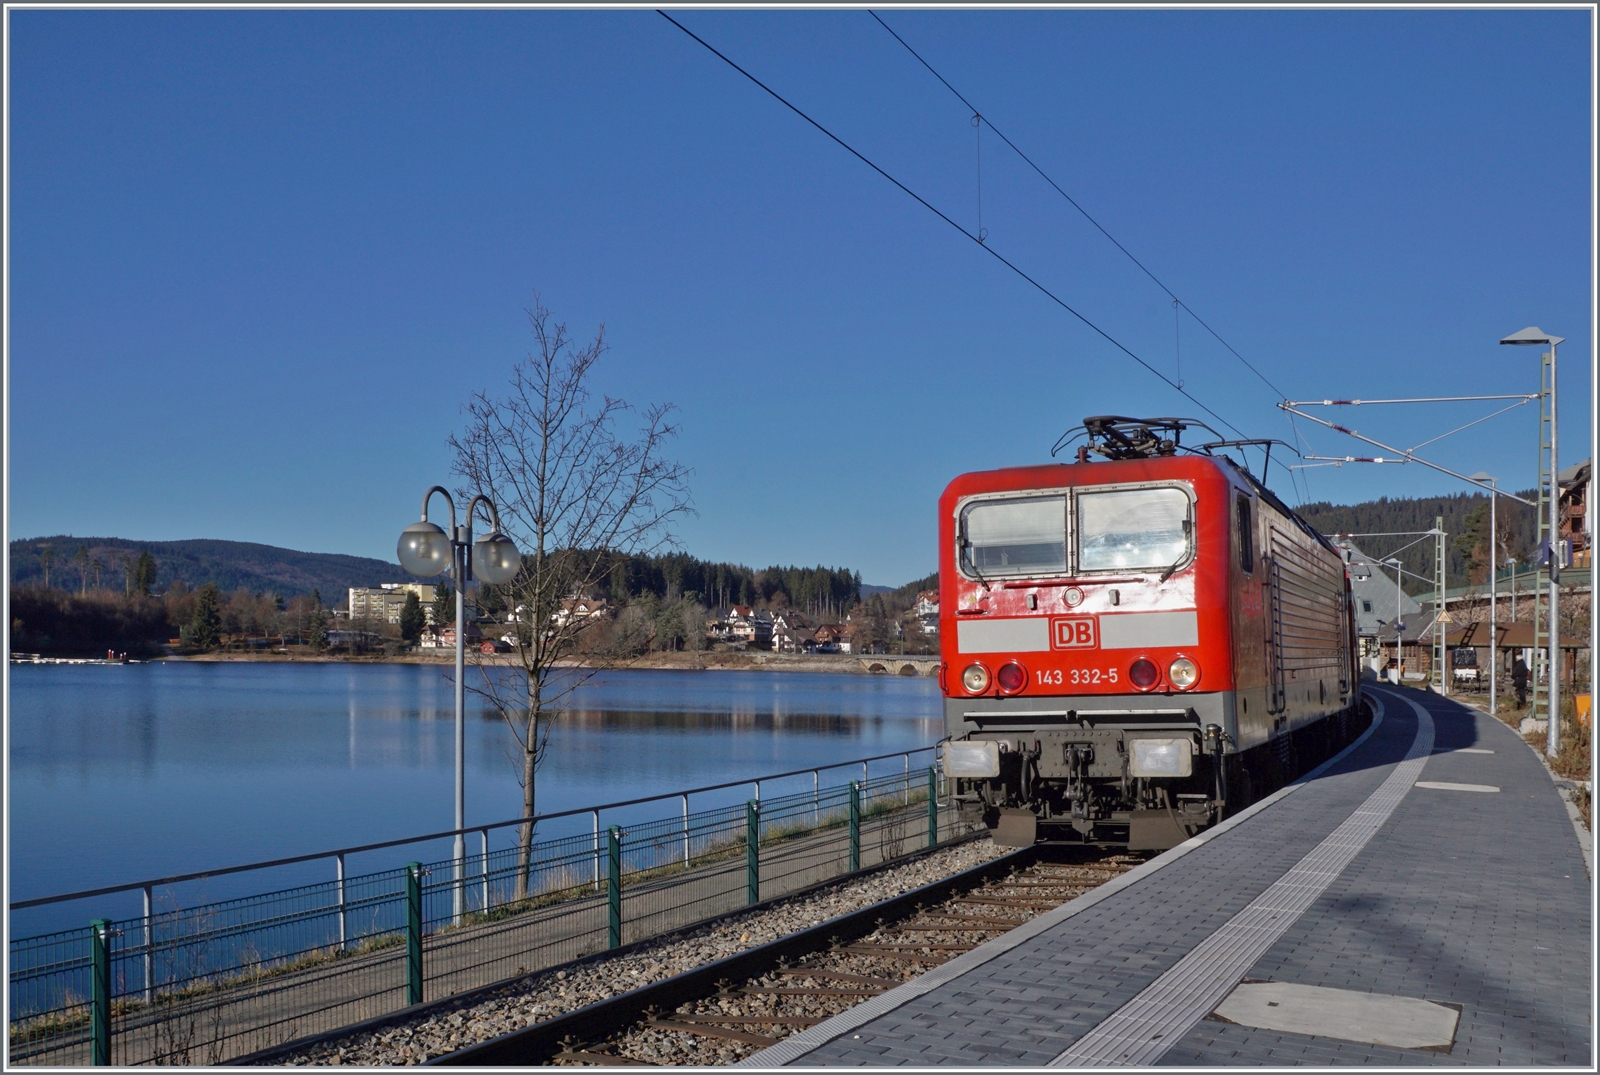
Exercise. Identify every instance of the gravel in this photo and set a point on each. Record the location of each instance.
(547, 994)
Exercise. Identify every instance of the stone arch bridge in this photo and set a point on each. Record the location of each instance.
(885, 664)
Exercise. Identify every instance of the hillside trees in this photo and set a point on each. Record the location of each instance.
(317, 623)
(412, 619)
(205, 625)
(444, 603)
(144, 573)
(568, 483)
(60, 624)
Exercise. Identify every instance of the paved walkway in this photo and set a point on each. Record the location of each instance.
(1420, 900)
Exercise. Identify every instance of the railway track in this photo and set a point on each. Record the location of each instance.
(727, 1010)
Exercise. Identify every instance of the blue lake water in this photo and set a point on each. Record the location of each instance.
(121, 773)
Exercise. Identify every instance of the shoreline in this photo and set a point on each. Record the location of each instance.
(849, 664)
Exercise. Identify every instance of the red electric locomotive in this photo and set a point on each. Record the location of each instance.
(1135, 646)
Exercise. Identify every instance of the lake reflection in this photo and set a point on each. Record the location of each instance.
(124, 772)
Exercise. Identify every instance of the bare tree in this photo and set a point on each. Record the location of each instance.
(576, 495)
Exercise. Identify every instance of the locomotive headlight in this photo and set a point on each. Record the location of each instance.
(1183, 673)
(1160, 757)
(970, 759)
(975, 679)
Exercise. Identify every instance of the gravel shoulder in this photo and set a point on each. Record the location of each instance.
(555, 992)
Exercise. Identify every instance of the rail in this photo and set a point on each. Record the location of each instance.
(213, 981)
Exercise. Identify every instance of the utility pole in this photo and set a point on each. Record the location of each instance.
(1441, 618)
(1541, 537)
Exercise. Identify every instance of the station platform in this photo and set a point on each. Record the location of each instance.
(1420, 899)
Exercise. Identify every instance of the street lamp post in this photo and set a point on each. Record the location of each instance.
(426, 551)
(1399, 624)
(1527, 337)
(1494, 565)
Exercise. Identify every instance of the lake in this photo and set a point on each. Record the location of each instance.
(125, 772)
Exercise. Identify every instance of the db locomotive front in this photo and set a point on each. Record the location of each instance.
(1136, 645)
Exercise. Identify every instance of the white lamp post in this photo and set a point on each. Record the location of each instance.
(1399, 624)
(426, 551)
(1494, 566)
(1527, 337)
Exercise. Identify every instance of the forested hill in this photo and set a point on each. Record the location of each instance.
(1465, 518)
(232, 565)
(235, 565)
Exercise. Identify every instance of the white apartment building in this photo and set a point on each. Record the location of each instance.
(384, 603)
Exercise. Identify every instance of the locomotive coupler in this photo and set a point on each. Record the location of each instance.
(1215, 738)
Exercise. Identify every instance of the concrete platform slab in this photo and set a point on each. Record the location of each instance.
(1403, 1022)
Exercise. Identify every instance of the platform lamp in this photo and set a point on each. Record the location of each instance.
(426, 551)
(1526, 338)
(1399, 624)
(1494, 566)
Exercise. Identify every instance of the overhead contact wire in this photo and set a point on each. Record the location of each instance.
(936, 212)
(1074, 203)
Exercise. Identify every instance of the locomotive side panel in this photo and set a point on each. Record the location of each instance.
(1249, 602)
(1309, 629)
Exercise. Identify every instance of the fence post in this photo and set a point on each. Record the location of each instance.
(752, 851)
(344, 937)
(594, 821)
(484, 833)
(855, 826)
(685, 831)
(413, 933)
(816, 800)
(100, 998)
(613, 887)
(907, 758)
(933, 806)
(149, 946)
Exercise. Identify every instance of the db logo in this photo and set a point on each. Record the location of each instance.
(1074, 632)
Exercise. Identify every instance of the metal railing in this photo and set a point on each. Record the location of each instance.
(205, 983)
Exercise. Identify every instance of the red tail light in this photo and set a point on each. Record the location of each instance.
(1142, 674)
(1011, 678)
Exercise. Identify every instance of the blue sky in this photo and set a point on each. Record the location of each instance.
(258, 260)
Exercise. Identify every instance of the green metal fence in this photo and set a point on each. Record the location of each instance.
(207, 983)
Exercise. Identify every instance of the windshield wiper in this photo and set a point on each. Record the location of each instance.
(1165, 575)
(966, 547)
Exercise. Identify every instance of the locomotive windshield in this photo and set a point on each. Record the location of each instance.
(1132, 528)
(1022, 536)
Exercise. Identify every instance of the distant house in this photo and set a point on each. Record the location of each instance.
(1375, 594)
(1576, 529)
(445, 637)
(580, 609)
(832, 638)
(754, 629)
(792, 639)
(926, 611)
